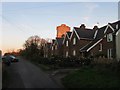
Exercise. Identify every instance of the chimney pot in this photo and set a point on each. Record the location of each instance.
(82, 26)
(95, 27)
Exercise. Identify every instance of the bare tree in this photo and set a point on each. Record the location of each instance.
(34, 45)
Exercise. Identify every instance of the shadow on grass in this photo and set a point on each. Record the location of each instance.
(88, 77)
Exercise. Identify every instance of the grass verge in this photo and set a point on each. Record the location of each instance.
(91, 78)
(42, 66)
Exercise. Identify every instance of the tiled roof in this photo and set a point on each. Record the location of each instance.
(114, 25)
(85, 33)
(59, 41)
(69, 34)
(86, 47)
(100, 32)
(100, 35)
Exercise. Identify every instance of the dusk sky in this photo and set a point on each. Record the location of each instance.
(21, 20)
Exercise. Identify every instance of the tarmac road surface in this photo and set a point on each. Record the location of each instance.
(24, 74)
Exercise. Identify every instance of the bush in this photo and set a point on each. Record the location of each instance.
(101, 60)
(100, 54)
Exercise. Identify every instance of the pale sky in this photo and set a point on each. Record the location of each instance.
(21, 20)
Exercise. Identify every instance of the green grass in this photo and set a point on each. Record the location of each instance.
(91, 78)
(42, 66)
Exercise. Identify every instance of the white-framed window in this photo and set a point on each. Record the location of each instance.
(66, 54)
(52, 47)
(67, 43)
(100, 47)
(104, 35)
(55, 47)
(74, 52)
(116, 26)
(109, 53)
(74, 41)
(109, 37)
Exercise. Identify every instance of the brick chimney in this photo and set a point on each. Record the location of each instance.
(95, 27)
(61, 30)
(53, 40)
(82, 26)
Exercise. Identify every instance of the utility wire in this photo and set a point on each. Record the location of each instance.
(20, 25)
(39, 7)
(13, 24)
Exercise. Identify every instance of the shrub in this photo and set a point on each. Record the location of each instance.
(101, 60)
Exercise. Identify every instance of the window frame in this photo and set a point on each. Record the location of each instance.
(109, 37)
(74, 52)
(67, 43)
(66, 53)
(52, 48)
(100, 47)
(55, 47)
(74, 41)
(109, 53)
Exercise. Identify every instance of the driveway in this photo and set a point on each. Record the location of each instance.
(24, 74)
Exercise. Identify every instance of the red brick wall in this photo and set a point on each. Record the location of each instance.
(105, 46)
(62, 30)
(66, 48)
(79, 44)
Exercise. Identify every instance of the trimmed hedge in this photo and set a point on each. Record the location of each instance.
(60, 61)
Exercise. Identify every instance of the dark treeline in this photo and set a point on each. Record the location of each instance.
(33, 47)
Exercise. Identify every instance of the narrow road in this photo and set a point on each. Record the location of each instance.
(0, 75)
(24, 74)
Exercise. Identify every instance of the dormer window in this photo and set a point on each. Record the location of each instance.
(67, 43)
(109, 37)
(74, 41)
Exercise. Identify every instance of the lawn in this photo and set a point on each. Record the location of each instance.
(91, 78)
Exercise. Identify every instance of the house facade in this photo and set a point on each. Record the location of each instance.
(58, 47)
(118, 45)
(53, 48)
(79, 38)
(66, 45)
(84, 42)
(106, 42)
(116, 36)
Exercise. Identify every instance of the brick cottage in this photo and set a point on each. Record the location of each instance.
(85, 42)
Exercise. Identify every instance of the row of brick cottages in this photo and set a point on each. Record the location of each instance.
(84, 42)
